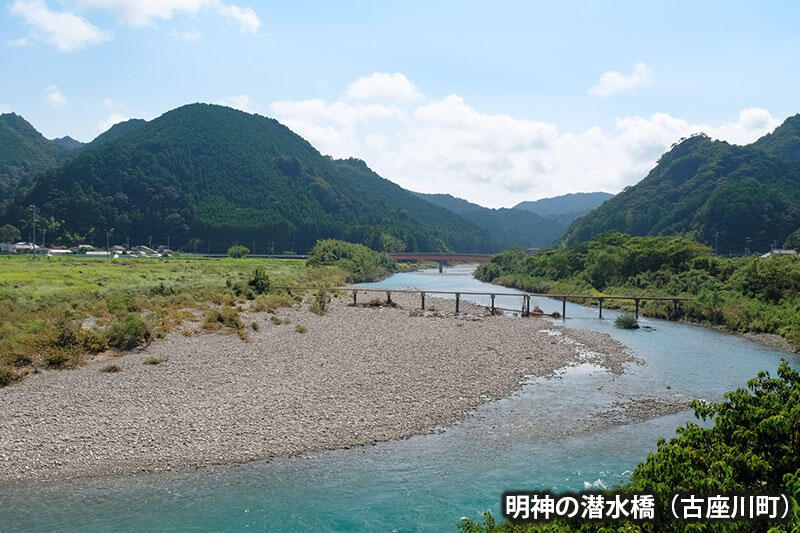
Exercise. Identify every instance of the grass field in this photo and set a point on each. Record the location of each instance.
(55, 311)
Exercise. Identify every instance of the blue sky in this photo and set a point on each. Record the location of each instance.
(496, 102)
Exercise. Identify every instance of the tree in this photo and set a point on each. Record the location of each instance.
(9, 233)
(238, 251)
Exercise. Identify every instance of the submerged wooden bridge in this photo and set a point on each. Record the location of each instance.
(524, 309)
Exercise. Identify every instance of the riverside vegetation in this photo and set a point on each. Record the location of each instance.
(740, 294)
(56, 312)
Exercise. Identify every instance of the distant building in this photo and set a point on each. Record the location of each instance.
(532, 251)
(779, 251)
(23, 248)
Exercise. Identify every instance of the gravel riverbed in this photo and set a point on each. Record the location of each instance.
(356, 376)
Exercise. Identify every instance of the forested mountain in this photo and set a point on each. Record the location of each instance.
(24, 152)
(737, 199)
(207, 176)
(568, 205)
(507, 227)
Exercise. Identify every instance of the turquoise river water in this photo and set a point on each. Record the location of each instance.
(541, 437)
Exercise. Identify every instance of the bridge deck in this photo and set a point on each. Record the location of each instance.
(525, 309)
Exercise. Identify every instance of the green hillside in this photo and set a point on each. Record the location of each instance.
(507, 227)
(733, 198)
(567, 205)
(207, 176)
(24, 152)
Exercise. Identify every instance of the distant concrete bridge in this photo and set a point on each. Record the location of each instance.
(440, 257)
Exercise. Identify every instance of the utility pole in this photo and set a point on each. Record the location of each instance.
(716, 242)
(44, 236)
(128, 243)
(33, 217)
(108, 249)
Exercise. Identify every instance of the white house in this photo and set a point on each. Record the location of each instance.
(779, 251)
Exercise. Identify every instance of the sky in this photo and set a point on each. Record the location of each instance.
(496, 102)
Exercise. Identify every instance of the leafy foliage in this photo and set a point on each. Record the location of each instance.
(626, 321)
(732, 197)
(741, 294)
(9, 233)
(206, 176)
(260, 281)
(238, 251)
(361, 263)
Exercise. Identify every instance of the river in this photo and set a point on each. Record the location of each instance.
(541, 437)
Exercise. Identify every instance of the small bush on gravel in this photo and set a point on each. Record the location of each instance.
(227, 317)
(7, 375)
(626, 321)
(153, 360)
(319, 305)
(270, 302)
(128, 333)
(255, 326)
(275, 320)
(299, 328)
(94, 340)
(111, 369)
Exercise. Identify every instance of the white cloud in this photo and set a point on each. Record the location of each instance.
(492, 159)
(22, 41)
(186, 36)
(144, 12)
(382, 86)
(54, 97)
(245, 17)
(64, 30)
(614, 82)
(241, 102)
(114, 118)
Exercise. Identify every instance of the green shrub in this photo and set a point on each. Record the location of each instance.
(111, 369)
(260, 281)
(153, 360)
(7, 375)
(626, 321)
(238, 251)
(128, 333)
(360, 262)
(227, 316)
(299, 328)
(94, 340)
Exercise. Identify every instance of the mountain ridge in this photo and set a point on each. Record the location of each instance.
(208, 176)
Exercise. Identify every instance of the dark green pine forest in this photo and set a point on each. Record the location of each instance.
(24, 153)
(205, 176)
(736, 199)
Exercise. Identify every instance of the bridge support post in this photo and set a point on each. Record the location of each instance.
(388, 297)
(441, 266)
(637, 307)
(355, 297)
(527, 305)
(564, 308)
(675, 308)
(458, 299)
(492, 295)
(601, 306)
(422, 294)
